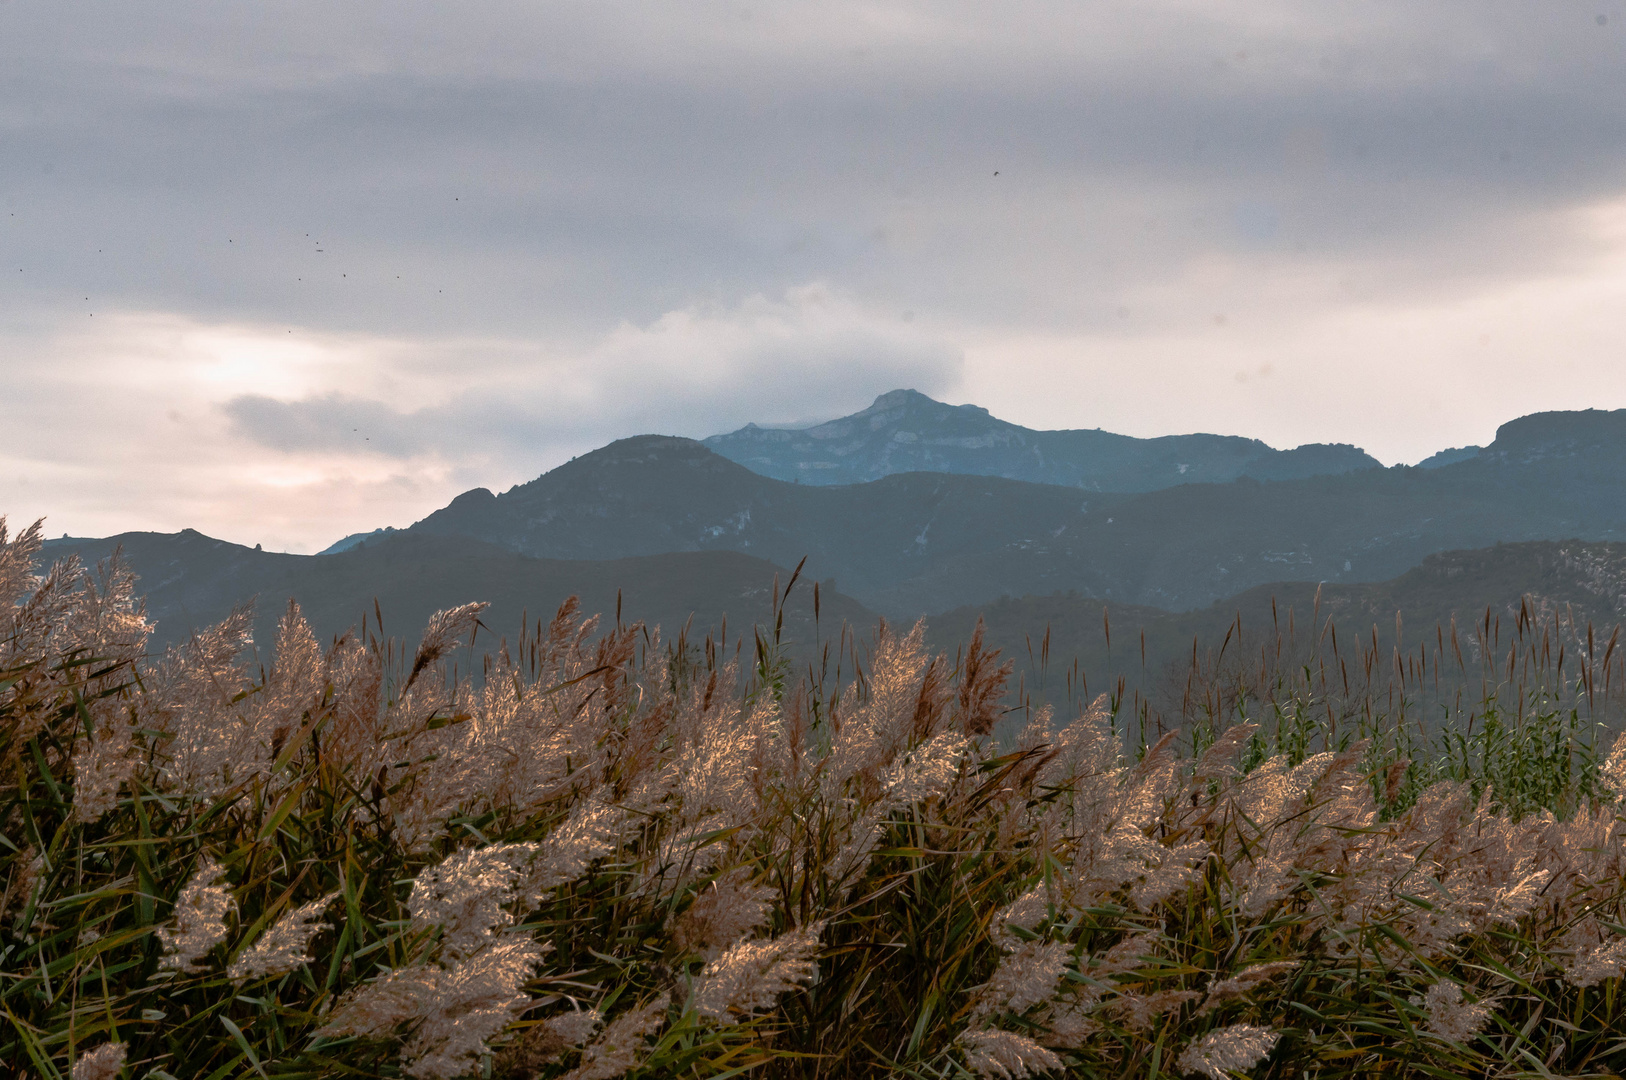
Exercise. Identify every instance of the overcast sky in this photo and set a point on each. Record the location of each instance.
(280, 271)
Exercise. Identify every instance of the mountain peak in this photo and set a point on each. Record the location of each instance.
(915, 400)
(898, 399)
(647, 446)
(643, 451)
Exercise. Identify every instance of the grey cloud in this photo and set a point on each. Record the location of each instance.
(333, 423)
(497, 181)
(692, 373)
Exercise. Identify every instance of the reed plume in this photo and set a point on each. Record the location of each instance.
(1230, 1050)
(103, 1063)
(283, 947)
(200, 918)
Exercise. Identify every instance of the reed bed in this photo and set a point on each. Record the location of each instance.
(605, 855)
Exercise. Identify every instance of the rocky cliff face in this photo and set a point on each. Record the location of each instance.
(906, 431)
(1586, 438)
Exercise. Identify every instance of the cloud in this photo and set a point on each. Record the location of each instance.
(331, 423)
(694, 372)
(114, 424)
(1274, 357)
(525, 170)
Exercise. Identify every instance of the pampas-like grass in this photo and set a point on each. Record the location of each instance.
(200, 918)
(103, 1063)
(283, 947)
(1228, 1051)
(611, 856)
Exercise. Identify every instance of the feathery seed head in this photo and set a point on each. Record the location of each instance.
(282, 948)
(200, 918)
(103, 1063)
(1613, 770)
(1449, 1016)
(547, 1042)
(1005, 1055)
(1025, 977)
(1219, 760)
(473, 1001)
(589, 833)
(1085, 751)
(721, 915)
(443, 634)
(454, 1012)
(17, 577)
(192, 697)
(376, 1009)
(1129, 954)
(467, 892)
(749, 977)
(1229, 1050)
(926, 771)
(1594, 954)
(621, 1047)
(100, 767)
(575, 1027)
(1238, 986)
(1592, 964)
(982, 685)
(1071, 1027)
(1140, 1012)
(1026, 912)
(853, 855)
(25, 873)
(1167, 871)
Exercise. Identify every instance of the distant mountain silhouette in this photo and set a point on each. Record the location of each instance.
(191, 581)
(921, 542)
(906, 431)
(1578, 583)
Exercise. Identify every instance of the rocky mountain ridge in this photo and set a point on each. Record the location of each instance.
(906, 431)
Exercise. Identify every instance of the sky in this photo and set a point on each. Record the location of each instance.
(281, 271)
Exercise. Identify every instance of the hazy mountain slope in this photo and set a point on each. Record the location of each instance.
(906, 431)
(920, 542)
(653, 493)
(192, 580)
(1579, 582)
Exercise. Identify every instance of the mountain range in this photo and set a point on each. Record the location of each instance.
(912, 543)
